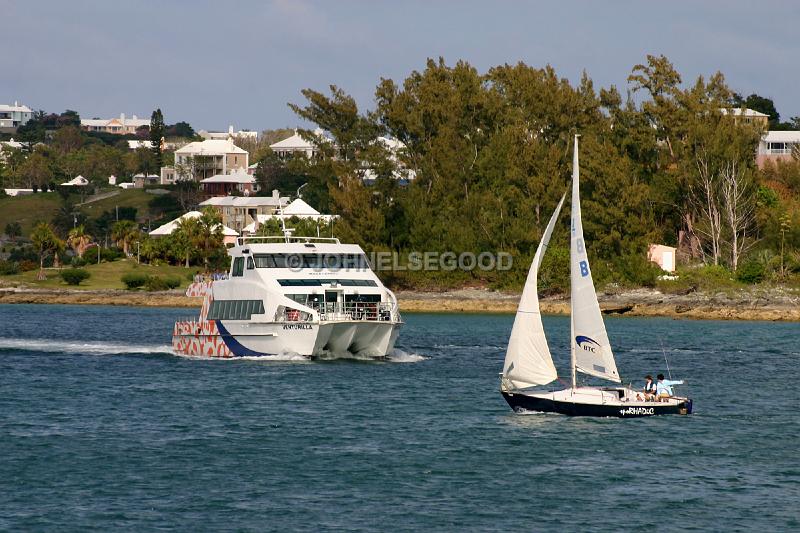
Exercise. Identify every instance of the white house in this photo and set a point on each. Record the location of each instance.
(239, 211)
(295, 145)
(13, 116)
(229, 235)
(121, 125)
(230, 134)
(298, 208)
(135, 145)
(777, 146)
(77, 181)
(202, 159)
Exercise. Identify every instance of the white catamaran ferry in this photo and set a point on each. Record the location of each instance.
(286, 295)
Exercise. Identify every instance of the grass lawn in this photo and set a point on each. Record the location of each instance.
(137, 198)
(28, 210)
(104, 275)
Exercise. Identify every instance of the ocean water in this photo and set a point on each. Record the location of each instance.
(102, 428)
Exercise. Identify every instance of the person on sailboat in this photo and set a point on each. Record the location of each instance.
(664, 387)
(649, 388)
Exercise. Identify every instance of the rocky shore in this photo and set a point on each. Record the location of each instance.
(773, 304)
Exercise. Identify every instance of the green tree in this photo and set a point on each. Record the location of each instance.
(45, 242)
(78, 239)
(13, 231)
(156, 134)
(124, 233)
(208, 236)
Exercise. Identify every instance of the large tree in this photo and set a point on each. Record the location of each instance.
(156, 134)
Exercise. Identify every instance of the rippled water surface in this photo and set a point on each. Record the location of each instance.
(101, 427)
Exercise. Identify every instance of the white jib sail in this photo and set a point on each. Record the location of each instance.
(528, 360)
(590, 345)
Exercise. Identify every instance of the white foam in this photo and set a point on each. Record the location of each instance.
(399, 356)
(79, 347)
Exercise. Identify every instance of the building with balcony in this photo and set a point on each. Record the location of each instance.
(14, 116)
(239, 182)
(240, 211)
(119, 126)
(778, 146)
(203, 159)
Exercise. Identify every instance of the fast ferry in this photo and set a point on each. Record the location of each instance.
(307, 296)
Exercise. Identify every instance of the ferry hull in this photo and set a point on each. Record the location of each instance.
(521, 402)
(224, 339)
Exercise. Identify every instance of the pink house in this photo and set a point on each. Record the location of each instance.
(663, 256)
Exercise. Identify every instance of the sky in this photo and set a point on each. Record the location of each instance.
(219, 63)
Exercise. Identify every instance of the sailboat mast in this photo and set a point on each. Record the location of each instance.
(574, 209)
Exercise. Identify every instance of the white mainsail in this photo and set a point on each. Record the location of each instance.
(591, 350)
(528, 361)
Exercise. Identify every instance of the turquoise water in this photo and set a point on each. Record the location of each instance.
(101, 428)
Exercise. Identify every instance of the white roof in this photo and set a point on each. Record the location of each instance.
(295, 142)
(169, 227)
(77, 180)
(133, 121)
(133, 145)
(210, 147)
(15, 107)
(300, 208)
(12, 144)
(235, 177)
(245, 201)
(782, 137)
(747, 112)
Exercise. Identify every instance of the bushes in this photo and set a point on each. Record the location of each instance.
(78, 262)
(7, 268)
(136, 280)
(111, 254)
(751, 272)
(74, 276)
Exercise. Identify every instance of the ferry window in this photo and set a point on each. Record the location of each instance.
(250, 264)
(235, 309)
(264, 260)
(238, 266)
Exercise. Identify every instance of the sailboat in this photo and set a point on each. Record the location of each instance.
(528, 362)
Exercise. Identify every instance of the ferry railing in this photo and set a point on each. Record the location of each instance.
(284, 239)
(332, 311)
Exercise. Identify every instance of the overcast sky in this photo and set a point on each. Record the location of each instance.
(214, 63)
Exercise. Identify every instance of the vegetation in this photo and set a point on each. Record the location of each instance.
(134, 280)
(74, 276)
(490, 156)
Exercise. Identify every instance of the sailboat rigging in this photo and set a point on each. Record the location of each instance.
(528, 362)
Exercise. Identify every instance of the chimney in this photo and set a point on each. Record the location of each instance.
(122, 117)
(276, 195)
(16, 104)
(230, 130)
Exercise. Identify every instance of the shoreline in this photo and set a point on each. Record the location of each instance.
(773, 305)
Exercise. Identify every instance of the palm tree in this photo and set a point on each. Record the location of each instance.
(209, 233)
(124, 233)
(45, 241)
(79, 240)
(184, 238)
